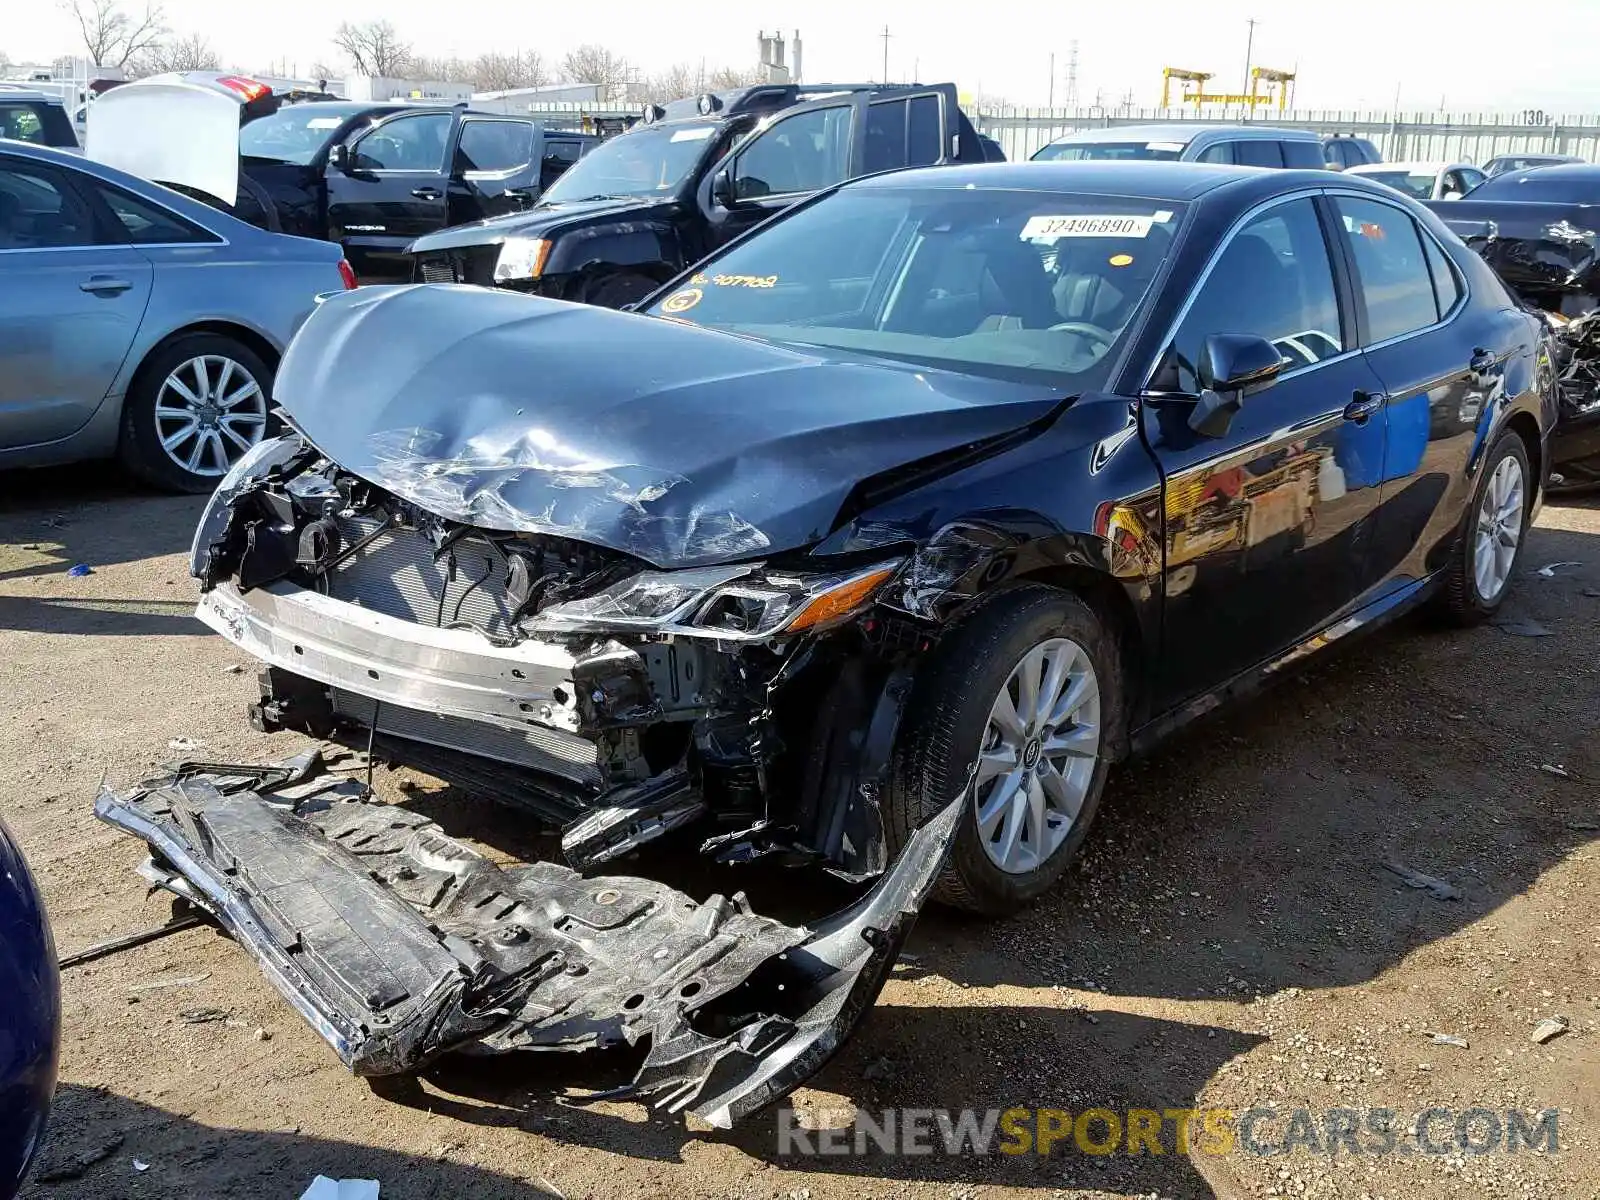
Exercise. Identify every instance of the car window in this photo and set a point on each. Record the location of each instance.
(1258, 152)
(1302, 155)
(1391, 267)
(495, 146)
(1470, 179)
(1221, 152)
(21, 123)
(562, 154)
(885, 147)
(1333, 155)
(39, 211)
(1273, 279)
(409, 143)
(802, 153)
(1016, 284)
(924, 137)
(1446, 287)
(149, 224)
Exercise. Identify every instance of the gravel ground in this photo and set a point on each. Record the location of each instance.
(1231, 939)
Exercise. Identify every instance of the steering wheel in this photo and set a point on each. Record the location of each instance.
(1093, 332)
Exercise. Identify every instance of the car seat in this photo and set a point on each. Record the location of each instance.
(1015, 288)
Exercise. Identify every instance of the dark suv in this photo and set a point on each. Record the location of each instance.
(28, 115)
(370, 175)
(692, 176)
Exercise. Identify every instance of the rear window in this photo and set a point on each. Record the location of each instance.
(1258, 153)
(1110, 151)
(37, 122)
(1542, 186)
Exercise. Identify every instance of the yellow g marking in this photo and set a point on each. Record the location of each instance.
(681, 301)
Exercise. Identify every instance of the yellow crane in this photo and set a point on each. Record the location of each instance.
(1279, 87)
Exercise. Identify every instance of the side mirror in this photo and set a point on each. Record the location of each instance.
(722, 189)
(339, 157)
(1232, 366)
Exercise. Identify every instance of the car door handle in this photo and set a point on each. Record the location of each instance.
(426, 193)
(1361, 408)
(104, 285)
(1482, 361)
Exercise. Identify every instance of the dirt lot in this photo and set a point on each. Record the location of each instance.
(1232, 939)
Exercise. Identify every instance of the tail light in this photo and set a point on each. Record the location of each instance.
(348, 274)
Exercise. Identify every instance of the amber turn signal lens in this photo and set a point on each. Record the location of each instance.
(842, 600)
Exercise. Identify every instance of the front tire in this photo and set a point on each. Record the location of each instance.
(1013, 711)
(1494, 529)
(196, 405)
(618, 288)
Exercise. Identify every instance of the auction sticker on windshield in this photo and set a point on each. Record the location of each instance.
(1126, 225)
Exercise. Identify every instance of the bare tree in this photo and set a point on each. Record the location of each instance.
(374, 48)
(190, 53)
(597, 65)
(502, 72)
(726, 78)
(111, 35)
(674, 83)
(444, 70)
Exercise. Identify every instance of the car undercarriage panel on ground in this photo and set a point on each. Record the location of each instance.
(399, 943)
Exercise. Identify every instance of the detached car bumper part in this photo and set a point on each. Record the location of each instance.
(398, 943)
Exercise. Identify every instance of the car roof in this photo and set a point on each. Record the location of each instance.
(12, 91)
(1571, 170)
(1178, 181)
(1184, 132)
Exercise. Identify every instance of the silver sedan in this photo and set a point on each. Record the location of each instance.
(138, 324)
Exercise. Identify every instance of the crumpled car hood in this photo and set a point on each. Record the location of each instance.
(676, 444)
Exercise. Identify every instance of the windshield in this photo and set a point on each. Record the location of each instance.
(1418, 186)
(641, 162)
(1109, 151)
(1017, 285)
(296, 133)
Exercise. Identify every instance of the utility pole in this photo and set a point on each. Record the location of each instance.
(885, 36)
(1072, 75)
(1249, 46)
(1052, 101)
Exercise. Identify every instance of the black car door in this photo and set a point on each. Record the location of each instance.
(493, 171)
(1266, 528)
(390, 191)
(1441, 362)
(802, 150)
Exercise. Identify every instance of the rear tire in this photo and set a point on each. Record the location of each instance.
(1481, 569)
(212, 386)
(951, 742)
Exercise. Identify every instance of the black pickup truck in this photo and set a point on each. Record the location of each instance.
(371, 175)
(1540, 230)
(693, 175)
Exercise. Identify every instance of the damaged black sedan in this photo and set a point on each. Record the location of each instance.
(866, 547)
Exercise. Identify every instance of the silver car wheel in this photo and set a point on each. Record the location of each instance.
(1038, 756)
(209, 411)
(1494, 546)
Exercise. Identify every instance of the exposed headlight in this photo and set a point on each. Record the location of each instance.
(521, 258)
(252, 464)
(737, 602)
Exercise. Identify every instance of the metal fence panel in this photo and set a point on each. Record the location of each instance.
(1459, 137)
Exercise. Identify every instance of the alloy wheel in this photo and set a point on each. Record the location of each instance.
(1038, 756)
(1499, 529)
(209, 411)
